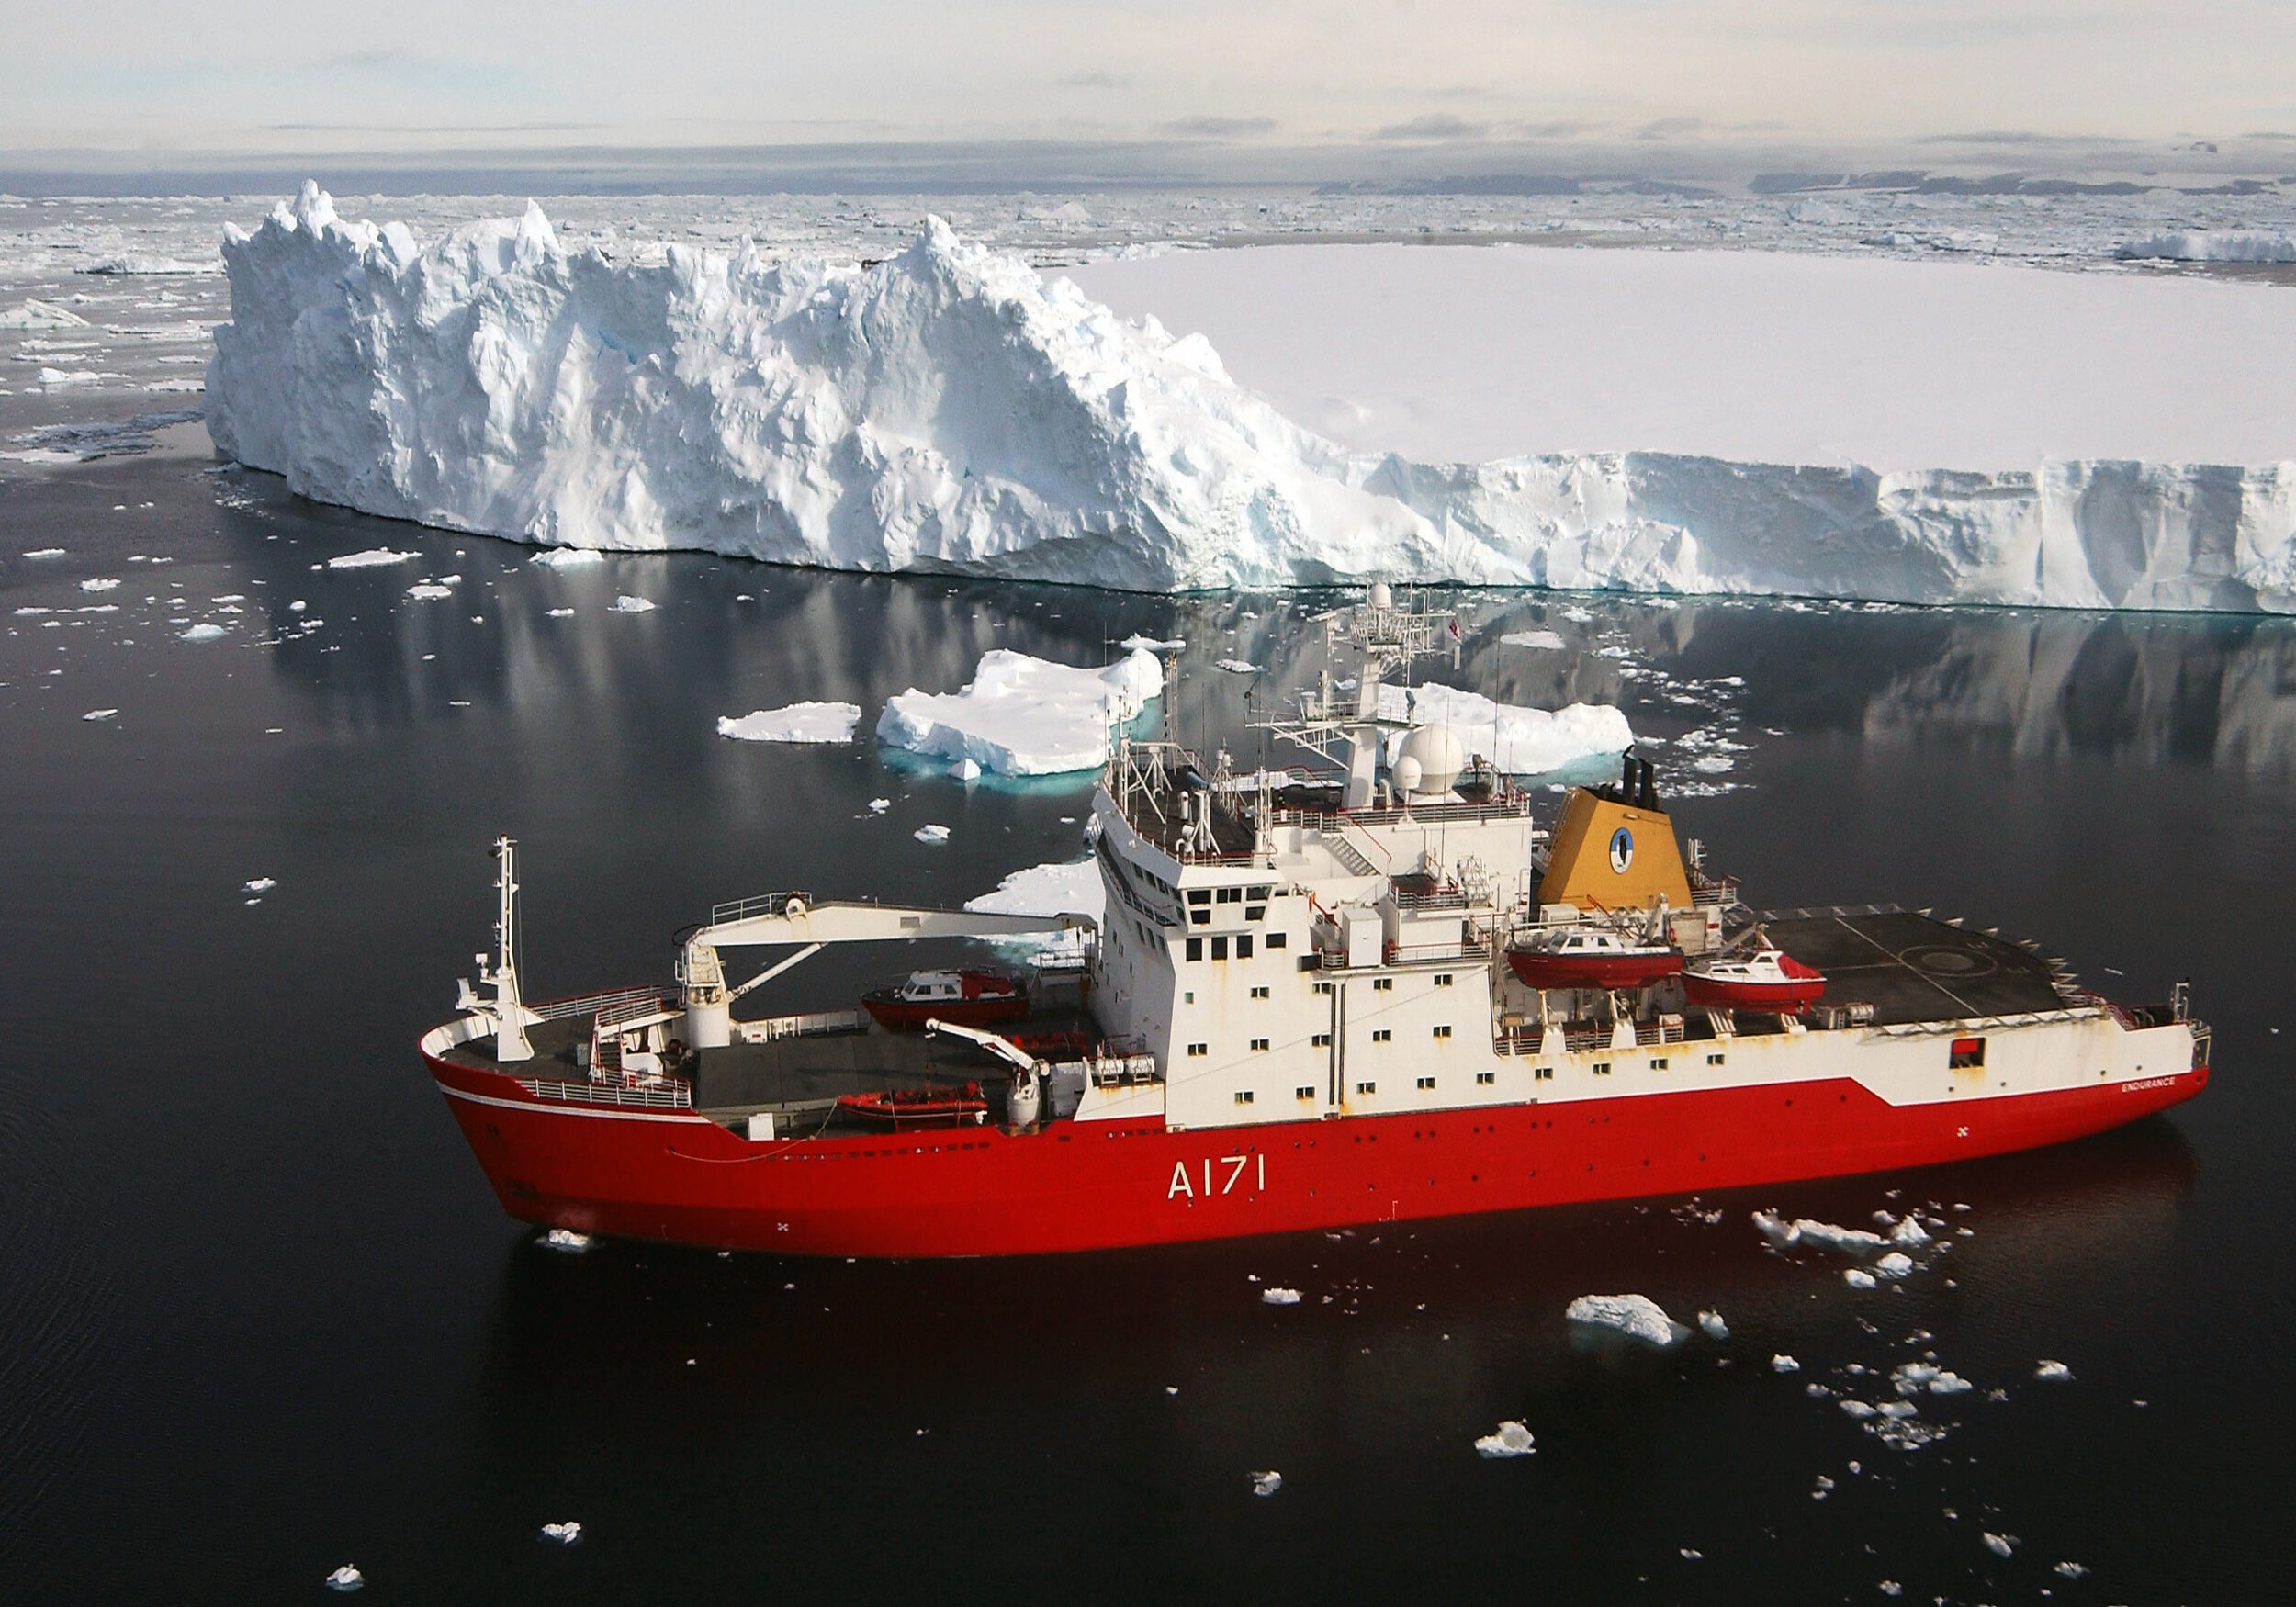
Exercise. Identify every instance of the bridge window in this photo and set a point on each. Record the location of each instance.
(1658, 1062)
(1485, 1079)
(1543, 1075)
(1198, 1050)
(1384, 1035)
(1220, 948)
(1426, 1083)
(1383, 984)
(1323, 987)
(1200, 895)
(1304, 1093)
(1244, 1096)
(1443, 1032)
(1195, 948)
(1968, 1054)
(1715, 1060)
(1443, 979)
(1322, 1040)
(1259, 992)
(1255, 911)
(1276, 940)
(1257, 895)
(1244, 946)
(1367, 1087)
(1228, 894)
(1259, 1046)
(1601, 1068)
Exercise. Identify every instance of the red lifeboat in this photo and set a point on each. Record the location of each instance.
(902, 1108)
(970, 998)
(1766, 979)
(1591, 957)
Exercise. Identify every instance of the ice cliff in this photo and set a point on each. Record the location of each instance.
(950, 409)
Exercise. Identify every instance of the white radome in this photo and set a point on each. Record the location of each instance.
(1436, 756)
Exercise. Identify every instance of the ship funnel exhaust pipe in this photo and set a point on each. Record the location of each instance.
(1648, 797)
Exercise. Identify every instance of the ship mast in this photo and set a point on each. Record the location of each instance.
(510, 1014)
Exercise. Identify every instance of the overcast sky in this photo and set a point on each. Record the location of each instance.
(408, 75)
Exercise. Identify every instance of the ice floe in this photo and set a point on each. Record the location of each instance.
(565, 1238)
(1046, 889)
(259, 884)
(32, 314)
(1510, 1439)
(1714, 1327)
(933, 834)
(2055, 1371)
(1543, 641)
(879, 805)
(1520, 741)
(2071, 1571)
(99, 585)
(429, 590)
(1637, 1316)
(1268, 1482)
(99, 714)
(564, 1533)
(1785, 1364)
(2210, 245)
(1275, 1296)
(626, 604)
(1024, 716)
(345, 1578)
(45, 552)
(373, 557)
(568, 557)
(202, 633)
(2000, 1544)
(807, 722)
(1857, 1277)
(1140, 643)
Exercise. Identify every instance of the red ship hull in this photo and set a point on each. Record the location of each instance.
(674, 1176)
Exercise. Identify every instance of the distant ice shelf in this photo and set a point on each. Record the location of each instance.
(950, 409)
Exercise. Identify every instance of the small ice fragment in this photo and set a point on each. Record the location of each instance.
(935, 835)
(1949, 1383)
(1132, 644)
(560, 612)
(2000, 1544)
(1280, 1296)
(1784, 1365)
(1892, 1587)
(1898, 1410)
(371, 559)
(1237, 667)
(626, 604)
(1689, 1556)
(202, 633)
(964, 770)
(298, 606)
(568, 557)
(1638, 1316)
(1896, 1264)
(1512, 1439)
(347, 1579)
(1543, 641)
(1267, 1483)
(2055, 1372)
(810, 722)
(1908, 1232)
(1858, 1409)
(566, 1239)
(1716, 1329)
(2071, 1571)
(99, 714)
(1823, 1482)
(99, 585)
(1857, 1277)
(45, 552)
(1171, 1388)
(423, 590)
(259, 884)
(879, 805)
(564, 1533)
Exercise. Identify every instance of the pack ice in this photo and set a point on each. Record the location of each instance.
(949, 409)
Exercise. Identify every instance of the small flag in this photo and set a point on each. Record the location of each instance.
(1452, 627)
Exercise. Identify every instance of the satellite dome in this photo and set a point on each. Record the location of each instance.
(1381, 595)
(1436, 753)
(1407, 776)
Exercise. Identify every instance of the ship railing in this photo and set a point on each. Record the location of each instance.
(1444, 898)
(626, 1008)
(668, 1094)
(1430, 953)
(817, 1024)
(1705, 894)
(1987, 1023)
(743, 909)
(592, 1004)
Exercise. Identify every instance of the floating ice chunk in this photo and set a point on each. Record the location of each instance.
(1238, 667)
(1950, 1383)
(345, 1579)
(879, 805)
(1140, 643)
(2071, 1571)
(1716, 1329)
(1273, 1296)
(1891, 1588)
(428, 591)
(626, 604)
(32, 611)
(1858, 1409)
(2055, 1372)
(45, 552)
(1785, 1364)
(1638, 1316)
(1267, 1483)
(568, 557)
(1510, 1439)
(99, 585)
(298, 606)
(809, 722)
(373, 557)
(202, 633)
(1023, 716)
(259, 884)
(565, 1238)
(935, 835)
(1896, 1264)
(561, 613)
(1802, 1230)
(564, 1533)
(2000, 1544)
(40, 315)
(1857, 1277)
(1046, 889)
(99, 714)
(1543, 641)
(140, 264)
(2210, 245)
(1520, 741)
(966, 770)
(1689, 1555)
(1909, 1232)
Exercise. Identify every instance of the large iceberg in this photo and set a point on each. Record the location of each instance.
(950, 409)
(1023, 716)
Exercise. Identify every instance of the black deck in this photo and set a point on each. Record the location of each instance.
(1912, 967)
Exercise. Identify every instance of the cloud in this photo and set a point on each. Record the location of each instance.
(1097, 78)
(1218, 128)
(1433, 125)
(1669, 128)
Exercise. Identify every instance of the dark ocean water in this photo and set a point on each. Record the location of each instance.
(260, 1316)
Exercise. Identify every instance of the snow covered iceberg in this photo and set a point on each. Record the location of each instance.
(1023, 716)
(949, 409)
